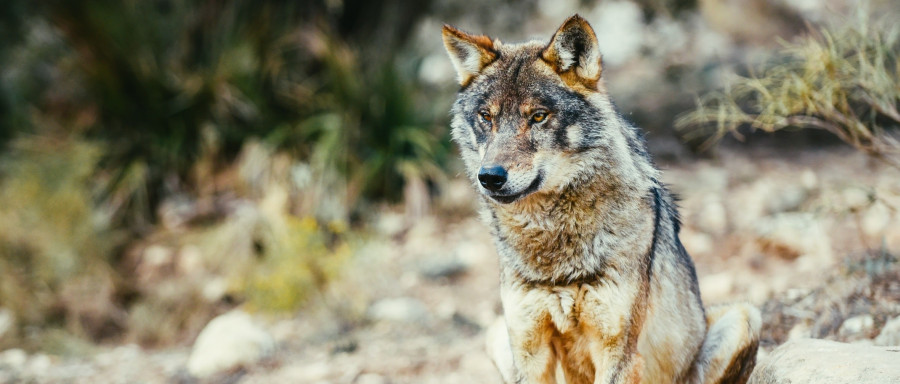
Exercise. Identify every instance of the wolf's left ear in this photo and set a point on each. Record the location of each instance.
(574, 50)
(469, 54)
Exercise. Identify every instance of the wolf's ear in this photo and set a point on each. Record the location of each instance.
(574, 50)
(469, 54)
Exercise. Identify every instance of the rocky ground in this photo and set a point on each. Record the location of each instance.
(812, 238)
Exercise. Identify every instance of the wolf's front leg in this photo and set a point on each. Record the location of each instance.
(611, 318)
(531, 331)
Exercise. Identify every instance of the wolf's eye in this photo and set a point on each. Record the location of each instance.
(485, 116)
(539, 116)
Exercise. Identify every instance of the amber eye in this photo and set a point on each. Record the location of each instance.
(539, 116)
(485, 116)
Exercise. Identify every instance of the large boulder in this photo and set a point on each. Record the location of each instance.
(813, 361)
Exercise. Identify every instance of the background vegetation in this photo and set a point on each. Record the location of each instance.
(842, 79)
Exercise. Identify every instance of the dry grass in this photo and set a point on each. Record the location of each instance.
(843, 80)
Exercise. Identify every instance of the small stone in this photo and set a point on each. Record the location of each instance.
(38, 365)
(446, 268)
(472, 253)
(215, 289)
(712, 217)
(800, 331)
(792, 235)
(401, 309)
(857, 325)
(7, 322)
(156, 256)
(370, 378)
(190, 261)
(390, 224)
(716, 287)
(229, 341)
(875, 220)
(696, 243)
(14, 358)
(808, 179)
(786, 199)
(856, 198)
(890, 333)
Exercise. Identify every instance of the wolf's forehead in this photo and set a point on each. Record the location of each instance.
(516, 74)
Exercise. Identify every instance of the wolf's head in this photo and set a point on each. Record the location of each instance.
(535, 117)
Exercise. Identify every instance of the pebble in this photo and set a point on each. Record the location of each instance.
(890, 333)
(370, 378)
(857, 325)
(401, 309)
(7, 321)
(14, 358)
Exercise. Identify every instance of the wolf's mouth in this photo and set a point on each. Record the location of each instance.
(506, 199)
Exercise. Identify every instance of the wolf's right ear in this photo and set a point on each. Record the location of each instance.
(469, 54)
(574, 52)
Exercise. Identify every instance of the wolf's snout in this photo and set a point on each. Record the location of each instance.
(492, 178)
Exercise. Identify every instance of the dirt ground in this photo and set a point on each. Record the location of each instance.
(810, 237)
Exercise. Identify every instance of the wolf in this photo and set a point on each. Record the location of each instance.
(596, 286)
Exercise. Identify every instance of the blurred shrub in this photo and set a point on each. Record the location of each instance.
(296, 262)
(55, 244)
(163, 83)
(842, 80)
(227, 143)
(266, 251)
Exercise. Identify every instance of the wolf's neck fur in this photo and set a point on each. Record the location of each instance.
(560, 237)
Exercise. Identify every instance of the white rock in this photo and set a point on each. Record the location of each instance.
(813, 361)
(556, 9)
(390, 224)
(856, 325)
(712, 217)
(808, 179)
(786, 198)
(190, 261)
(696, 243)
(436, 69)
(473, 253)
(370, 378)
(38, 365)
(800, 331)
(7, 321)
(401, 309)
(14, 358)
(229, 341)
(876, 220)
(156, 256)
(716, 287)
(792, 235)
(215, 289)
(856, 198)
(620, 30)
(890, 334)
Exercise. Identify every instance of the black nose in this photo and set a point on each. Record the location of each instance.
(492, 178)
